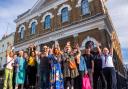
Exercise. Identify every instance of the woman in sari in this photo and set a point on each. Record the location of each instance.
(56, 77)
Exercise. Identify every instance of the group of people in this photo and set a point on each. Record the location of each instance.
(53, 68)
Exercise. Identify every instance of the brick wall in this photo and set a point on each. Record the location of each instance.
(74, 14)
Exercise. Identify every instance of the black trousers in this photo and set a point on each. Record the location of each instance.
(78, 81)
(26, 80)
(110, 77)
(32, 72)
(99, 74)
(68, 82)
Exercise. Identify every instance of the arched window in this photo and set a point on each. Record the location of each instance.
(33, 28)
(64, 14)
(22, 33)
(47, 23)
(85, 7)
(89, 41)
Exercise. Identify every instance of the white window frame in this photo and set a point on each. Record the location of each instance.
(63, 6)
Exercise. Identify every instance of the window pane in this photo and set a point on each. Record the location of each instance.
(65, 14)
(47, 23)
(33, 28)
(85, 7)
(22, 33)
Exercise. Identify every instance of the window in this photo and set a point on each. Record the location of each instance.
(3, 45)
(85, 7)
(33, 28)
(3, 48)
(47, 23)
(22, 33)
(65, 14)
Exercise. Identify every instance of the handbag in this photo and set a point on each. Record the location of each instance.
(7, 63)
(86, 82)
(72, 64)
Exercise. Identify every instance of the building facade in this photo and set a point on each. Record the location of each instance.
(67, 20)
(3, 47)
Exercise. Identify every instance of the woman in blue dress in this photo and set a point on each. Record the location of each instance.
(56, 77)
(20, 71)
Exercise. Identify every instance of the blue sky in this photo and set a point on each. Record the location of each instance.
(125, 55)
(118, 10)
(10, 9)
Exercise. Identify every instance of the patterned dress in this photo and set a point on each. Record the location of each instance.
(56, 77)
(67, 71)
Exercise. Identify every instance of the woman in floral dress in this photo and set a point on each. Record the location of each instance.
(56, 77)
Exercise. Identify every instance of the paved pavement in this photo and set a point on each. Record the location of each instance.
(1, 84)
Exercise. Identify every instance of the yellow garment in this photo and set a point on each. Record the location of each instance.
(31, 61)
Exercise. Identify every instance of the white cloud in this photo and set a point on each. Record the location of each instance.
(118, 10)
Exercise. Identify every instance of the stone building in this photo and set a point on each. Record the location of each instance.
(3, 47)
(67, 20)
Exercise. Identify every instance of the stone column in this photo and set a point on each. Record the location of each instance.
(104, 36)
(38, 48)
(76, 40)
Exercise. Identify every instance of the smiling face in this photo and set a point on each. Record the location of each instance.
(68, 48)
(33, 54)
(45, 48)
(75, 50)
(105, 51)
(25, 55)
(87, 50)
(15, 56)
(21, 53)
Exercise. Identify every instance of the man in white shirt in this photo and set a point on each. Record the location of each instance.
(107, 58)
(108, 67)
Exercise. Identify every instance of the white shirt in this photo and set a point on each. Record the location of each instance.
(10, 61)
(108, 62)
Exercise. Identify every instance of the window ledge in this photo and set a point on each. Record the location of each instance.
(65, 22)
(47, 28)
(85, 14)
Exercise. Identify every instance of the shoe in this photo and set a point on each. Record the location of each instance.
(72, 87)
(68, 88)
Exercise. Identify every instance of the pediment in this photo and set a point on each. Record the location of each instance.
(41, 4)
(37, 5)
